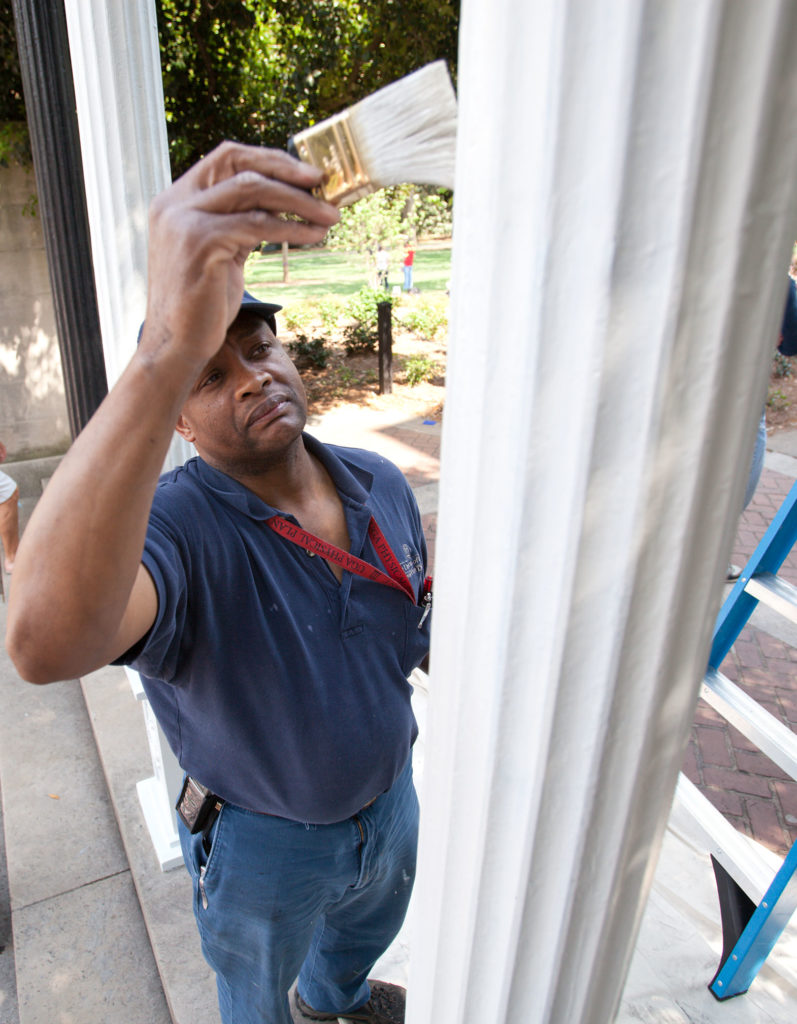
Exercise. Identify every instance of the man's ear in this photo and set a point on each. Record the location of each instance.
(184, 430)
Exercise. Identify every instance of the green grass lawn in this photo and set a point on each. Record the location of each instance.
(315, 273)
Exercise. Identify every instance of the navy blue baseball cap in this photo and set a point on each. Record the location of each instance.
(249, 304)
(266, 310)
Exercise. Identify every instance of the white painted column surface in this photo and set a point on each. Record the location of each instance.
(625, 208)
(119, 93)
(116, 69)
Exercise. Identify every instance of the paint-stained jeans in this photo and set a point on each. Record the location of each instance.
(276, 898)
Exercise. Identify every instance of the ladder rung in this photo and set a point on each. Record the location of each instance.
(752, 866)
(775, 592)
(771, 736)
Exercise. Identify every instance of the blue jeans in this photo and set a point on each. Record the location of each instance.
(407, 278)
(276, 899)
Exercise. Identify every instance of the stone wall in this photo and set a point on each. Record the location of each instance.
(33, 414)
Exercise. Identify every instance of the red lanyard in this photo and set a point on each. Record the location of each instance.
(397, 577)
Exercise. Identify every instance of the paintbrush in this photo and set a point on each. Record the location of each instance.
(404, 132)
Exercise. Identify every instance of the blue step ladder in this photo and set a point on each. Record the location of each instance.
(757, 891)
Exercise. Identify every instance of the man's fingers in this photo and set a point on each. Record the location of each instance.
(277, 229)
(235, 178)
(231, 158)
(203, 227)
(242, 231)
(250, 190)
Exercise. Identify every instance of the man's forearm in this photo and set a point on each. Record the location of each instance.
(75, 577)
(81, 551)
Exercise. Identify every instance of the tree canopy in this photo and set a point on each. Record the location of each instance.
(14, 141)
(258, 72)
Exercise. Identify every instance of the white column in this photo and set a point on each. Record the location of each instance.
(116, 68)
(625, 206)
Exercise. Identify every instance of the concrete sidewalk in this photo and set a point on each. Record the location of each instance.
(101, 936)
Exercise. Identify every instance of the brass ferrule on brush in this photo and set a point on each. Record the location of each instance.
(331, 147)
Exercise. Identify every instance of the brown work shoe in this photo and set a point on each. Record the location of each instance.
(385, 1006)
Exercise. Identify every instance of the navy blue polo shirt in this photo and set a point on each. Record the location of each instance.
(277, 687)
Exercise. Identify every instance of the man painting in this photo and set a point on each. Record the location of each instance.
(256, 590)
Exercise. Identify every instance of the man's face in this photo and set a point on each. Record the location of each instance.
(248, 405)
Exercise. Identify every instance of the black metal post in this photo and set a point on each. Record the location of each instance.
(385, 332)
(43, 46)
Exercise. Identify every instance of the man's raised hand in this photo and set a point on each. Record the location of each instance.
(203, 227)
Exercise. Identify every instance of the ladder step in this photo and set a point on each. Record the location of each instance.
(775, 592)
(771, 736)
(751, 865)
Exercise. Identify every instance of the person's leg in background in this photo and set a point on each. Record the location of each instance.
(9, 520)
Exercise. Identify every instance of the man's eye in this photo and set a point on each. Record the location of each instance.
(261, 349)
(210, 379)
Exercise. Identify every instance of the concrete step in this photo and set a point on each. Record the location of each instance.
(165, 898)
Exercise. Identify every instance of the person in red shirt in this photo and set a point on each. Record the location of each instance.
(408, 261)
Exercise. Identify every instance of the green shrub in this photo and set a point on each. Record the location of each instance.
(419, 368)
(389, 217)
(426, 319)
(782, 366)
(330, 310)
(363, 335)
(360, 339)
(299, 318)
(362, 306)
(433, 212)
(309, 352)
(777, 400)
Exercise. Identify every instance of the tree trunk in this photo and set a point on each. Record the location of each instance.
(385, 331)
(285, 276)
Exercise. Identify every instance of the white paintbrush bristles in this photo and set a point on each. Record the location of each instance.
(405, 132)
(408, 130)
